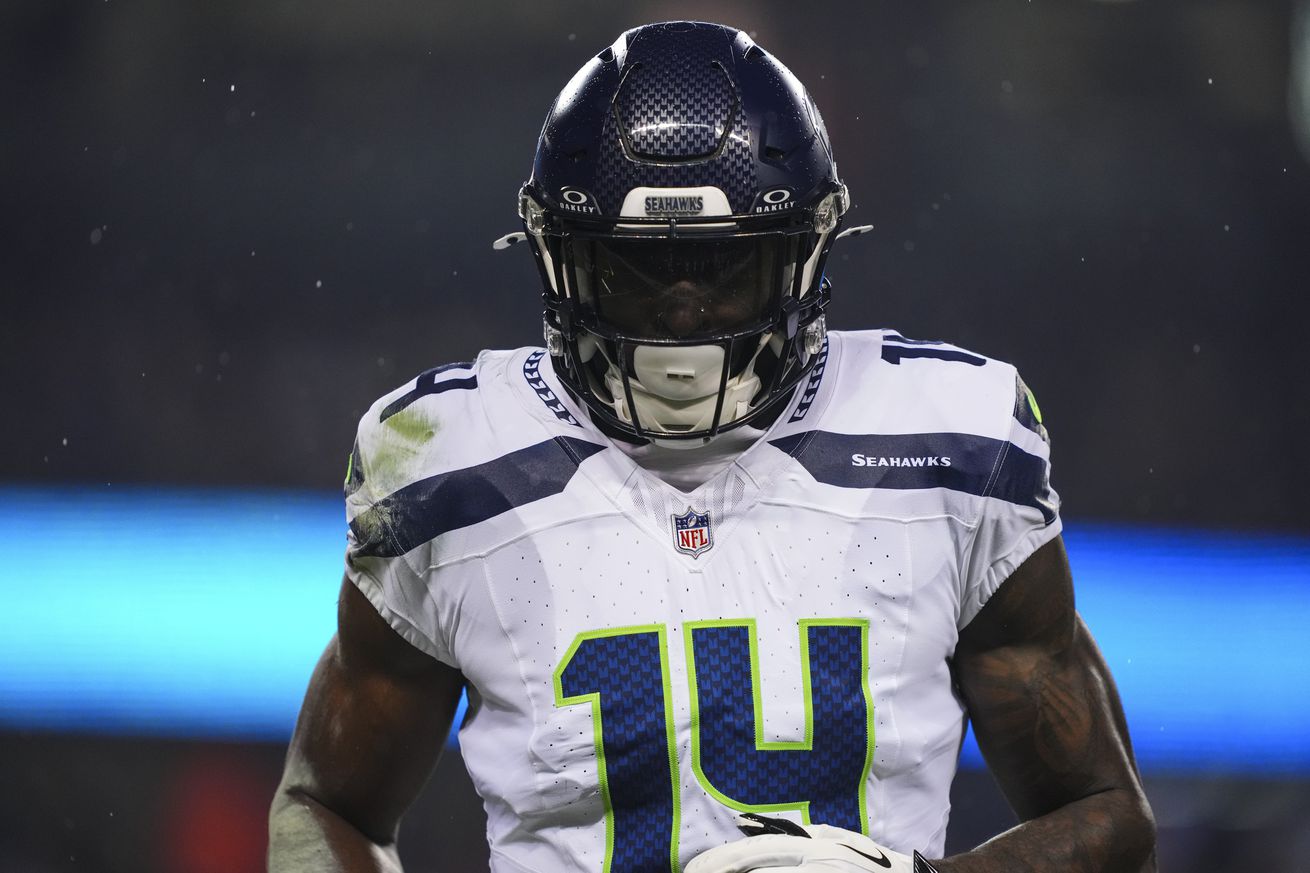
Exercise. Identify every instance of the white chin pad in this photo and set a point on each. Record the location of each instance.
(679, 372)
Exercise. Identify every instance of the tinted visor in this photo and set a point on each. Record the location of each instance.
(682, 288)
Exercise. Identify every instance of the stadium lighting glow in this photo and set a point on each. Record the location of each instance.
(202, 613)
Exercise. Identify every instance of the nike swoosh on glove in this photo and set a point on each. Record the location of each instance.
(777, 845)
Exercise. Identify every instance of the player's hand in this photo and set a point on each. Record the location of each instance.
(781, 846)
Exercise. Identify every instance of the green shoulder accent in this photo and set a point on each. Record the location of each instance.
(1032, 404)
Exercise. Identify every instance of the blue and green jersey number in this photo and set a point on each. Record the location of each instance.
(623, 674)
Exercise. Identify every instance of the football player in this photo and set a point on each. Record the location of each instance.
(722, 586)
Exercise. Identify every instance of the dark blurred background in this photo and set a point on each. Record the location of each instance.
(229, 226)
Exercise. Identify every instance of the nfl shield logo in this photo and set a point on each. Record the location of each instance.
(691, 532)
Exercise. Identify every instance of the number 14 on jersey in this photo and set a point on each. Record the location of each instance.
(623, 674)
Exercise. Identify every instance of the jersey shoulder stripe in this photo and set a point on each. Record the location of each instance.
(428, 508)
(435, 423)
(957, 461)
(458, 445)
(917, 415)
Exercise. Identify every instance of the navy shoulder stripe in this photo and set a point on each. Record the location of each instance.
(427, 384)
(450, 501)
(960, 462)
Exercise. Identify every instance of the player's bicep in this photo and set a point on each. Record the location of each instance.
(1039, 694)
(373, 722)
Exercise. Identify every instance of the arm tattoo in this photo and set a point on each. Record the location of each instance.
(1049, 723)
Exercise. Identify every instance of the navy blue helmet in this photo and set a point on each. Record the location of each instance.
(682, 203)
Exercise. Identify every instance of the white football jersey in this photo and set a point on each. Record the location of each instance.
(644, 662)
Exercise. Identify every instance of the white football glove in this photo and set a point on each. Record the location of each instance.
(777, 845)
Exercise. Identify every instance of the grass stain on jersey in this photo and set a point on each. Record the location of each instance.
(372, 526)
(410, 426)
(402, 438)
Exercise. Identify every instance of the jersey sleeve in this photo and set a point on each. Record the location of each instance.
(393, 579)
(1020, 511)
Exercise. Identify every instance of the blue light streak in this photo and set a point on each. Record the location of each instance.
(202, 613)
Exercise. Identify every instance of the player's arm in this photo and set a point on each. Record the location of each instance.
(1049, 722)
(371, 728)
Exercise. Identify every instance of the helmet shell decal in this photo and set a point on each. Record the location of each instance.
(663, 205)
(577, 200)
(774, 200)
(675, 202)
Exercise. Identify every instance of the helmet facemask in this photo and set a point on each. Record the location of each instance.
(680, 329)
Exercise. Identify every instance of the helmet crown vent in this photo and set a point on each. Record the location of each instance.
(677, 111)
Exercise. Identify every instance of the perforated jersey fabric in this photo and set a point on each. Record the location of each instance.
(632, 691)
